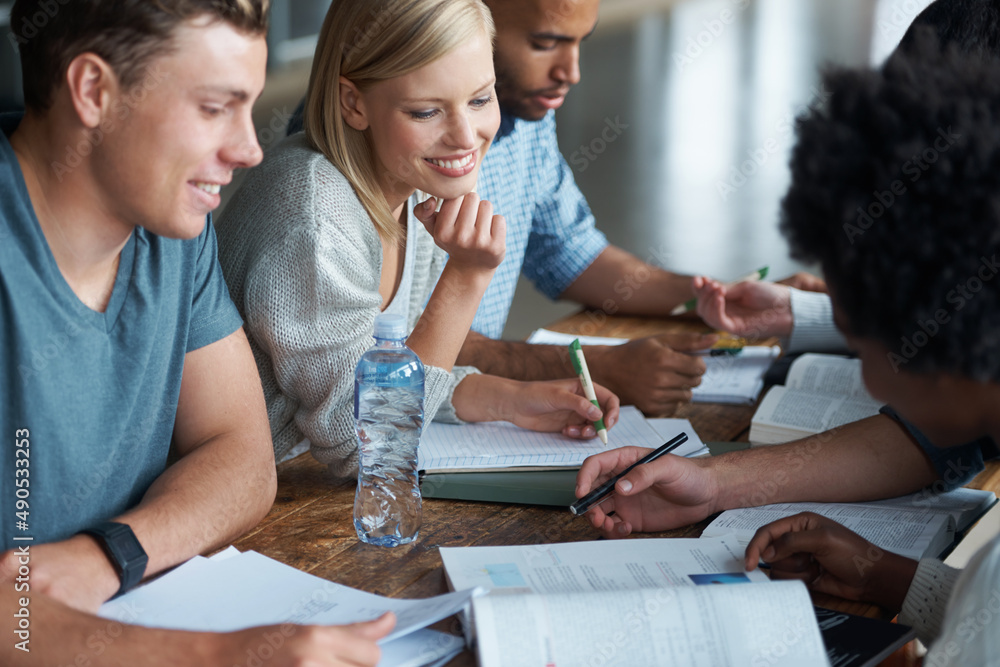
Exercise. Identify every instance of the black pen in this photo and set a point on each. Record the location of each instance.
(598, 494)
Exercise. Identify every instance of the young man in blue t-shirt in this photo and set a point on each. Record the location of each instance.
(119, 345)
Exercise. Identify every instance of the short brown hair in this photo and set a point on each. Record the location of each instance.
(125, 33)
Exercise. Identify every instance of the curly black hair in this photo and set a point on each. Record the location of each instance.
(972, 26)
(896, 193)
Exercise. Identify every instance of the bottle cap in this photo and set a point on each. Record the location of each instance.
(390, 327)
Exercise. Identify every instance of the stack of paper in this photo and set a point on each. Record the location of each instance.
(729, 378)
(234, 591)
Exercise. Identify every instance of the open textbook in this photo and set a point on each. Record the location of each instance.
(821, 391)
(729, 378)
(234, 591)
(501, 445)
(921, 525)
(632, 602)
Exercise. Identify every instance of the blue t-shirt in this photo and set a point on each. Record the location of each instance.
(96, 392)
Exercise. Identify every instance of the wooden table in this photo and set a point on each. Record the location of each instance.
(310, 525)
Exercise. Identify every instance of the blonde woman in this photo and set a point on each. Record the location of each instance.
(328, 232)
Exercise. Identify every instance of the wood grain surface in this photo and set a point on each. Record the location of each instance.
(310, 525)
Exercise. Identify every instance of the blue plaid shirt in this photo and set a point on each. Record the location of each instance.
(550, 230)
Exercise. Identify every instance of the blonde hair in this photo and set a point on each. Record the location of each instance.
(368, 41)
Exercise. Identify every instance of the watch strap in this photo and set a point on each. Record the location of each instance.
(123, 550)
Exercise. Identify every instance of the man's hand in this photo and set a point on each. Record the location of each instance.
(752, 308)
(312, 646)
(75, 572)
(670, 492)
(831, 559)
(654, 373)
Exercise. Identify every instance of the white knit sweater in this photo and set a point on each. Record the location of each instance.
(957, 612)
(303, 262)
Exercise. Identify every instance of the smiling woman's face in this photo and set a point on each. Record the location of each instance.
(431, 128)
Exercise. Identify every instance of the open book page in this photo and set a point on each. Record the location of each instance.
(497, 445)
(734, 379)
(755, 624)
(827, 374)
(252, 590)
(963, 505)
(606, 565)
(787, 414)
(913, 534)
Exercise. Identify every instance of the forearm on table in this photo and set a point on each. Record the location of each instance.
(208, 498)
(622, 284)
(63, 636)
(520, 361)
(441, 331)
(867, 460)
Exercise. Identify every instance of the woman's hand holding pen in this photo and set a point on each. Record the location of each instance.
(831, 559)
(555, 405)
(667, 493)
(467, 230)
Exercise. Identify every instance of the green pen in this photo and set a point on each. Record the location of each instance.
(691, 304)
(580, 366)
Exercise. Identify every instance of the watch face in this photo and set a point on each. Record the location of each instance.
(129, 547)
(123, 550)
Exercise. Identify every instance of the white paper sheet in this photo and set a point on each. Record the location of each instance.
(605, 565)
(492, 445)
(755, 624)
(247, 590)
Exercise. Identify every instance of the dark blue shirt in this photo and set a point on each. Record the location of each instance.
(956, 466)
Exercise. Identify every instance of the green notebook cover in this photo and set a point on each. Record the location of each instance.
(541, 487)
(534, 487)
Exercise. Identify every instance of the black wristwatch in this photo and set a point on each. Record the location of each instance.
(123, 550)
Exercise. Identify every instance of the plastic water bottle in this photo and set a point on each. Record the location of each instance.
(389, 415)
